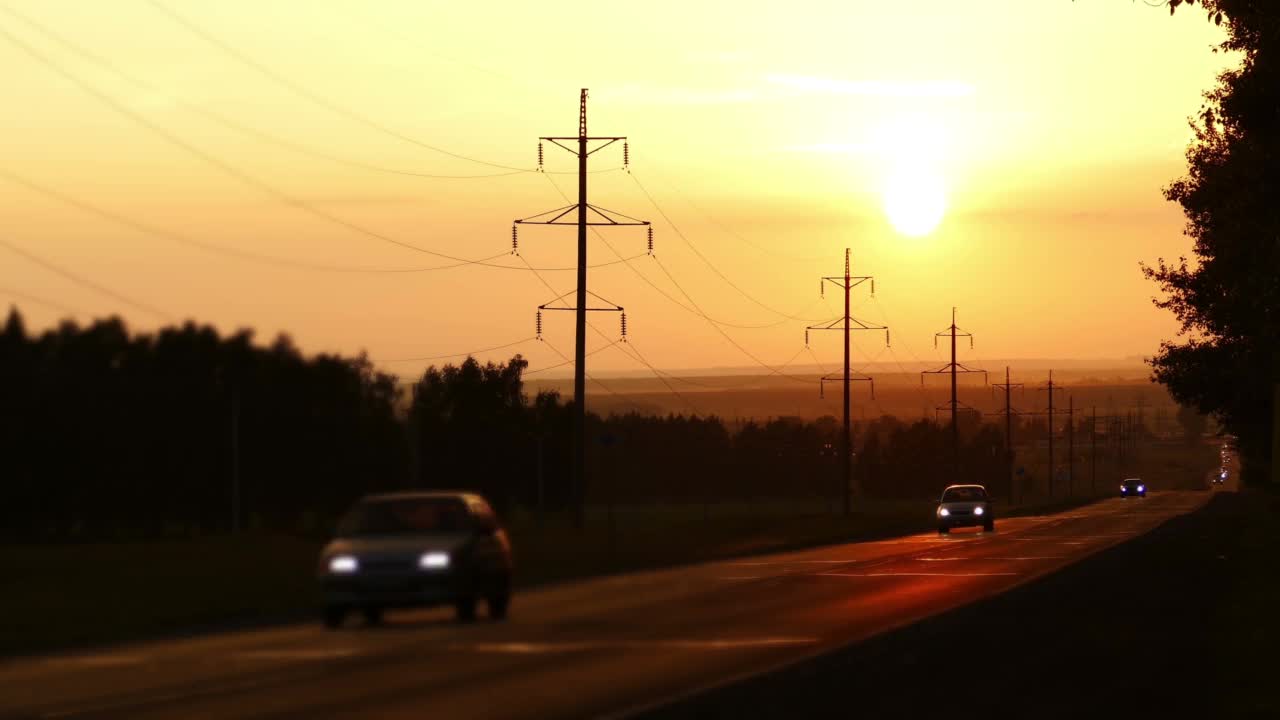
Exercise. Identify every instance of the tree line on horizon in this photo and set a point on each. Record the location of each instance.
(107, 434)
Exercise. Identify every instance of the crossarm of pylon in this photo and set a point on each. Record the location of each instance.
(827, 326)
(609, 215)
(562, 211)
(597, 149)
(612, 307)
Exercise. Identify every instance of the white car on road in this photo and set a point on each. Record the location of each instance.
(965, 506)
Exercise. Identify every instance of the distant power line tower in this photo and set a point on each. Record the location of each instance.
(954, 368)
(587, 215)
(1050, 387)
(1009, 412)
(846, 322)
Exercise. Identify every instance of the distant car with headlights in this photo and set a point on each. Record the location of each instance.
(1133, 487)
(416, 549)
(965, 506)
(1220, 477)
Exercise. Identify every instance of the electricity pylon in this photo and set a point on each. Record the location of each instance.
(1050, 387)
(954, 368)
(846, 322)
(1009, 412)
(587, 215)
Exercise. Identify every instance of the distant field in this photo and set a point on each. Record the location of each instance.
(71, 595)
(897, 394)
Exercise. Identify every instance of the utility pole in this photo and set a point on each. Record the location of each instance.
(954, 368)
(846, 322)
(1051, 387)
(1071, 446)
(1008, 426)
(587, 215)
(1093, 453)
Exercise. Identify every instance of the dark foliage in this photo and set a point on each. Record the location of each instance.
(1228, 299)
(105, 435)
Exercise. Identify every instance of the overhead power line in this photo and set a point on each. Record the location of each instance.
(83, 281)
(246, 178)
(318, 99)
(707, 261)
(468, 353)
(691, 309)
(215, 248)
(730, 232)
(225, 120)
(237, 126)
(51, 304)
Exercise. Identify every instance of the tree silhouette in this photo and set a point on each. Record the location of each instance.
(1228, 299)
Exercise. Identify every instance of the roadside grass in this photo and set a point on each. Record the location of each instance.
(1245, 628)
(73, 595)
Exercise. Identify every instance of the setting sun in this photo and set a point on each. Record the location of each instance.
(915, 198)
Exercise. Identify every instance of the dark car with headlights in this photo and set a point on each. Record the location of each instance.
(1133, 487)
(965, 506)
(418, 549)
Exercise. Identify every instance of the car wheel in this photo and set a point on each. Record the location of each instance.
(373, 616)
(990, 526)
(499, 598)
(334, 616)
(498, 605)
(944, 530)
(465, 609)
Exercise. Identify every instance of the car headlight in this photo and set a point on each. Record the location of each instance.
(434, 561)
(1122, 488)
(978, 511)
(342, 564)
(1142, 488)
(943, 512)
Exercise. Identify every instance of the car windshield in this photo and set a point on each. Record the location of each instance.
(407, 516)
(964, 494)
(1132, 483)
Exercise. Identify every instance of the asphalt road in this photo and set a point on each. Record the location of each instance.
(614, 646)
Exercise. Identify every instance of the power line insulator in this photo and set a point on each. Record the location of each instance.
(822, 385)
(873, 287)
(539, 325)
(806, 337)
(539, 157)
(626, 154)
(886, 337)
(624, 326)
(822, 289)
(650, 239)
(515, 241)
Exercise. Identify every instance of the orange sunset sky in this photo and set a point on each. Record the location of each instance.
(1019, 148)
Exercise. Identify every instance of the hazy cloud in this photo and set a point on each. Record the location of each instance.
(875, 88)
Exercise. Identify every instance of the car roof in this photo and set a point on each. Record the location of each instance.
(1133, 479)
(952, 487)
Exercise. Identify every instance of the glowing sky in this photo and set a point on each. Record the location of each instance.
(768, 132)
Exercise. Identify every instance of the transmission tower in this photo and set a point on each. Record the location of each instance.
(846, 322)
(954, 368)
(1009, 412)
(1071, 446)
(587, 215)
(1050, 387)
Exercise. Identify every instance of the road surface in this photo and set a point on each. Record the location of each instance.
(606, 647)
